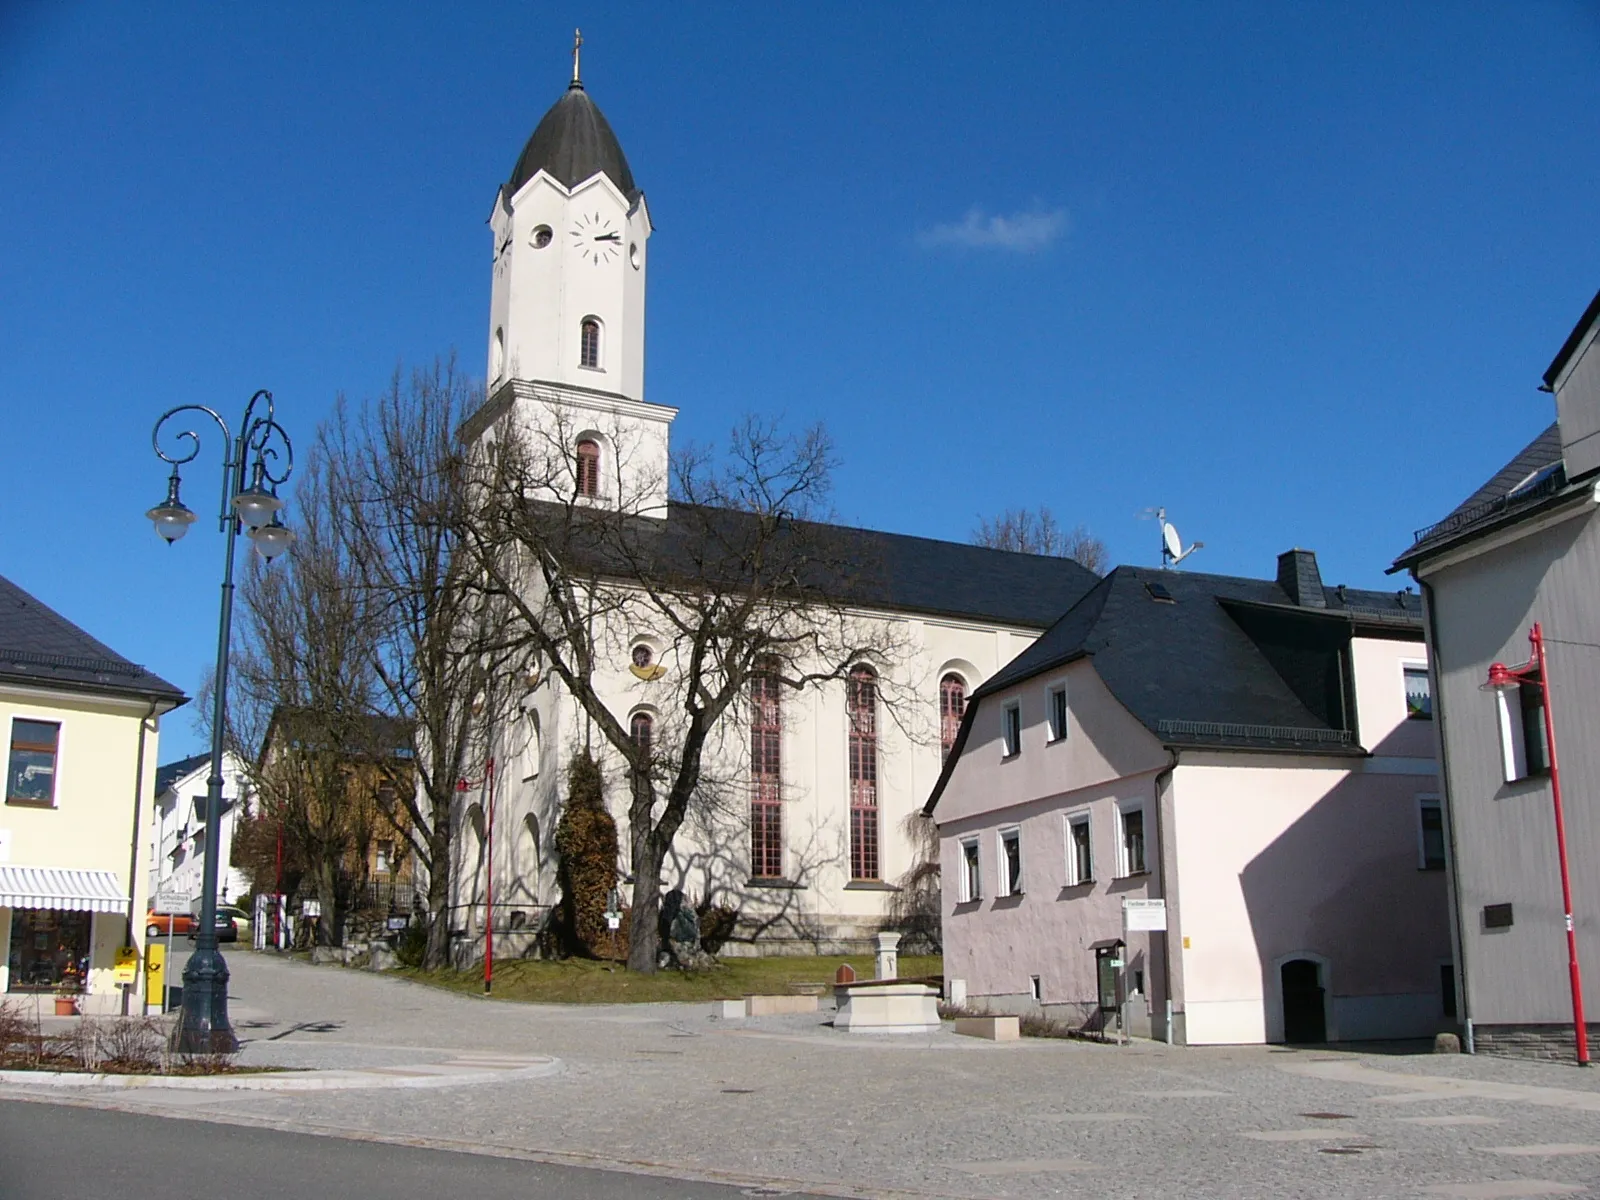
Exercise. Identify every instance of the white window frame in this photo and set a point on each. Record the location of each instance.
(1003, 885)
(1415, 664)
(1057, 735)
(1430, 800)
(1011, 730)
(1074, 820)
(970, 881)
(1125, 869)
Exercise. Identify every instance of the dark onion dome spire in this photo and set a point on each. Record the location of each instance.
(572, 143)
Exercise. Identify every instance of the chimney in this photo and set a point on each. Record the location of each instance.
(1298, 576)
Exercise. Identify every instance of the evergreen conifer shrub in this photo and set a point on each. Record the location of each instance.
(586, 843)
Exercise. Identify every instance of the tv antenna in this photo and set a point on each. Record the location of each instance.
(1172, 548)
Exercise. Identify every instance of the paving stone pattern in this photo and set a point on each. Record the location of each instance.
(786, 1102)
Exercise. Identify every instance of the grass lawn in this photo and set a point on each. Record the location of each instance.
(581, 981)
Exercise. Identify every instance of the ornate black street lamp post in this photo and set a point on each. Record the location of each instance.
(254, 463)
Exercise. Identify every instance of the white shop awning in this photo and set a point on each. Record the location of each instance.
(61, 888)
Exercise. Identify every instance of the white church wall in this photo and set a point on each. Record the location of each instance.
(817, 907)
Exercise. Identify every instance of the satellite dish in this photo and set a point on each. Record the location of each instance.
(1171, 542)
(1172, 549)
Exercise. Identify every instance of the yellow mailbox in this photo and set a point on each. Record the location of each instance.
(155, 975)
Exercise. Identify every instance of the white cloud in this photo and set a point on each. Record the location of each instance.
(1019, 233)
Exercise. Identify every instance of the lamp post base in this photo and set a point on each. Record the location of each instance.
(203, 1026)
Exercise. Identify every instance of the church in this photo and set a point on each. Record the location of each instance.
(820, 786)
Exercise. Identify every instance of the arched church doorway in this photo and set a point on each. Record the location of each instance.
(1305, 1017)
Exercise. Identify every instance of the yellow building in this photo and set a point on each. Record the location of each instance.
(81, 725)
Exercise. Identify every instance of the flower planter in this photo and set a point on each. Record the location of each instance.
(66, 1006)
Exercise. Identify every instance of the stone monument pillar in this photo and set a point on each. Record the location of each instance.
(888, 956)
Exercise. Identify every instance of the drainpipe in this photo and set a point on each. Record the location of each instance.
(133, 853)
(1168, 863)
(1447, 812)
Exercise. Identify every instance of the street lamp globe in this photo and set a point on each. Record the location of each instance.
(171, 517)
(272, 540)
(256, 505)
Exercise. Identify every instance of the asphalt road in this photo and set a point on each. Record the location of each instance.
(53, 1152)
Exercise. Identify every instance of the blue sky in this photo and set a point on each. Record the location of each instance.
(1293, 271)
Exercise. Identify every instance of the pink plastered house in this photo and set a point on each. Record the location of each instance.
(1259, 755)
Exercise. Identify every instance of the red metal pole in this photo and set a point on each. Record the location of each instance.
(1579, 1028)
(488, 886)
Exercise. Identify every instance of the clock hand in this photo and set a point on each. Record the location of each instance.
(608, 237)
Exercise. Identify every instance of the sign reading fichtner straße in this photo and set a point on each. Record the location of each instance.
(1144, 916)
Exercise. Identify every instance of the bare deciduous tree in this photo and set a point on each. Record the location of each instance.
(1036, 531)
(738, 576)
(396, 475)
(300, 693)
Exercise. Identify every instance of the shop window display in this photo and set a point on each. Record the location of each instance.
(49, 949)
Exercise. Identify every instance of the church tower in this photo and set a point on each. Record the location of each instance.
(566, 313)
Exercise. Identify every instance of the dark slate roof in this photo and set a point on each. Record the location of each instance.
(573, 143)
(168, 775)
(1530, 482)
(1186, 668)
(39, 646)
(1590, 316)
(858, 566)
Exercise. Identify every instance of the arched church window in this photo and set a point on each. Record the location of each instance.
(766, 772)
(952, 703)
(862, 705)
(498, 367)
(589, 348)
(588, 467)
(642, 730)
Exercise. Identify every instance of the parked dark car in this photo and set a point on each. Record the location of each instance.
(227, 931)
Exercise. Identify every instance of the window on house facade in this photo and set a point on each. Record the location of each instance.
(766, 774)
(588, 467)
(1419, 694)
(1011, 862)
(1080, 853)
(1430, 830)
(1132, 840)
(589, 343)
(971, 872)
(1011, 730)
(31, 773)
(1058, 713)
(1523, 748)
(862, 705)
(383, 858)
(952, 703)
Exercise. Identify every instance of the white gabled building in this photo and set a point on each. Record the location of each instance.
(178, 827)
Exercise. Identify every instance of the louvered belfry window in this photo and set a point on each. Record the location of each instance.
(766, 773)
(862, 704)
(952, 703)
(588, 468)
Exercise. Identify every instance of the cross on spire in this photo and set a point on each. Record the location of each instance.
(577, 45)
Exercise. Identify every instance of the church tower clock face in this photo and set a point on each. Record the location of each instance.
(595, 238)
